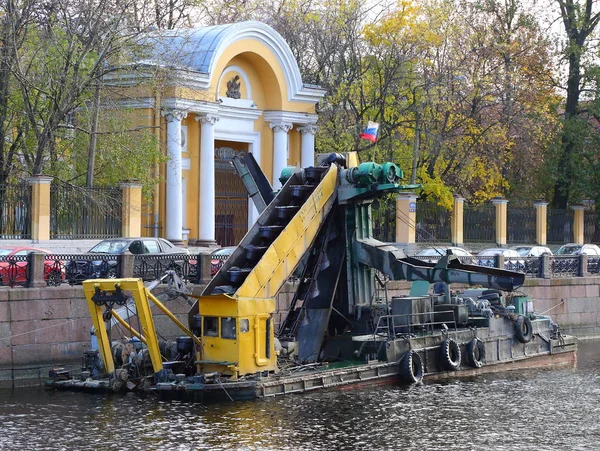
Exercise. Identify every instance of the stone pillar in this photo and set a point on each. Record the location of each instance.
(36, 267)
(307, 152)
(541, 222)
(456, 221)
(406, 216)
(131, 211)
(578, 224)
(500, 204)
(280, 149)
(206, 220)
(174, 195)
(40, 207)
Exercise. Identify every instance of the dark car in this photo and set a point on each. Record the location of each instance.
(106, 267)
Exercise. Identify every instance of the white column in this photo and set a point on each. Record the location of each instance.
(280, 149)
(252, 210)
(307, 148)
(174, 198)
(206, 229)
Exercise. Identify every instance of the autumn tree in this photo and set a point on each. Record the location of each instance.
(60, 51)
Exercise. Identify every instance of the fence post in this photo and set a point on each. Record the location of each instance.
(545, 267)
(35, 265)
(131, 212)
(578, 224)
(500, 204)
(583, 265)
(125, 265)
(203, 268)
(406, 216)
(40, 207)
(456, 221)
(499, 261)
(541, 222)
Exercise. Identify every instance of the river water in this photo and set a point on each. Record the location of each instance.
(557, 409)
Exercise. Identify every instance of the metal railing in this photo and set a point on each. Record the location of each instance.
(79, 212)
(545, 266)
(560, 226)
(479, 224)
(410, 324)
(433, 222)
(15, 208)
(74, 268)
(520, 224)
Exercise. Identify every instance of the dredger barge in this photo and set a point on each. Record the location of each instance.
(337, 331)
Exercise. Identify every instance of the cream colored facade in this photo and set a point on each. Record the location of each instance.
(237, 84)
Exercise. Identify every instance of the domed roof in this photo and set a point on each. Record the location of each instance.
(198, 50)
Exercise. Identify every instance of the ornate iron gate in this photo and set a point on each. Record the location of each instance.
(231, 200)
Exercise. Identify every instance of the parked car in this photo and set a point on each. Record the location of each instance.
(433, 254)
(79, 270)
(532, 251)
(512, 259)
(14, 272)
(218, 258)
(579, 249)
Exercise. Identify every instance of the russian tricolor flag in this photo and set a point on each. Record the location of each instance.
(370, 132)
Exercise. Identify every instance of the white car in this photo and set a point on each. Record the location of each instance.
(532, 251)
(579, 249)
(433, 254)
(512, 259)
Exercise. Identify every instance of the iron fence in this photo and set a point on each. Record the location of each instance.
(73, 269)
(520, 225)
(589, 227)
(78, 212)
(15, 208)
(384, 221)
(559, 226)
(479, 224)
(433, 223)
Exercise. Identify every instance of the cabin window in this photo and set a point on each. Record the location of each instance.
(211, 326)
(244, 325)
(228, 328)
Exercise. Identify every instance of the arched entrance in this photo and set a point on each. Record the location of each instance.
(231, 198)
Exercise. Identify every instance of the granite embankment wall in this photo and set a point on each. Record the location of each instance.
(41, 328)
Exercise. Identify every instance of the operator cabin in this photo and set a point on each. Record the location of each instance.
(224, 90)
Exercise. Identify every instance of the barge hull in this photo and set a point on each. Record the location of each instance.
(348, 378)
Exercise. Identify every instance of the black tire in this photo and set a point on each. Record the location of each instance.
(523, 329)
(475, 353)
(411, 368)
(449, 355)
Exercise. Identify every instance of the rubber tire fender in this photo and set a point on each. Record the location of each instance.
(449, 355)
(523, 329)
(411, 368)
(475, 353)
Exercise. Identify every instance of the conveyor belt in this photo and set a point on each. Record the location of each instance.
(282, 235)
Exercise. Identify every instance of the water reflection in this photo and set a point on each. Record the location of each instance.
(533, 409)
